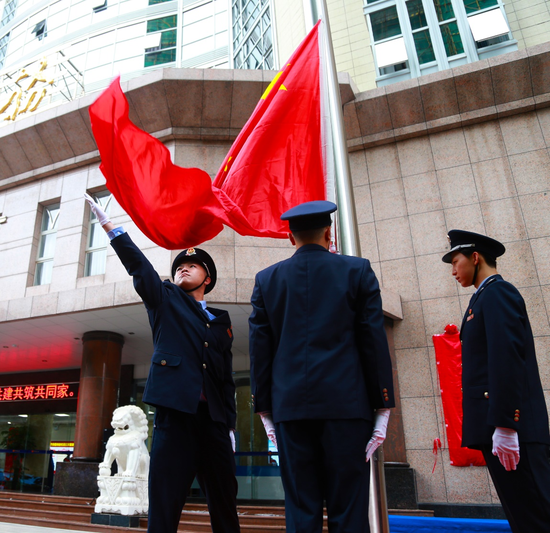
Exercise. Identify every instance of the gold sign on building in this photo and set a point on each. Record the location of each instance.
(31, 90)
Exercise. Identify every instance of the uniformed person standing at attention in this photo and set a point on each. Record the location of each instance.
(190, 383)
(505, 413)
(321, 374)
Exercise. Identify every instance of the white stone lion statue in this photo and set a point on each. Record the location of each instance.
(126, 491)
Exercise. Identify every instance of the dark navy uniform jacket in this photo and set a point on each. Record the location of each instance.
(191, 352)
(318, 348)
(500, 377)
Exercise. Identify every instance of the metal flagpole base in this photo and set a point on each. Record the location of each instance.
(378, 504)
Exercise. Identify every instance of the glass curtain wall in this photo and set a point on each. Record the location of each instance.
(30, 447)
(252, 34)
(257, 461)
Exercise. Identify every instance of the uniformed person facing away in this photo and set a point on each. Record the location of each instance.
(321, 374)
(505, 413)
(190, 383)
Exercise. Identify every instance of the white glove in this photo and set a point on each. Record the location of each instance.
(232, 437)
(269, 427)
(102, 217)
(379, 433)
(506, 447)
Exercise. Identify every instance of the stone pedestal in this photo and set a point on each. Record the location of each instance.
(115, 520)
(400, 486)
(123, 495)
(76, 479)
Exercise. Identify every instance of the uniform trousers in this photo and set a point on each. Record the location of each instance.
(185, 446)
(325, 460)
(524, 492)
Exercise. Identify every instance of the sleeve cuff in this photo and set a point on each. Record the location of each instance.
(115, 232)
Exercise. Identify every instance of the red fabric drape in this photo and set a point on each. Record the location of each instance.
(274, 164)
(448, 356)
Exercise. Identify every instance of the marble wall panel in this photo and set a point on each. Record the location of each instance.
(420, 422)
(504, 219)
(363, 204)
(467, 217)
(542, 348)
(430, 481)
(394, 238)
(400, 276)
(494, 179)
(388, 199)
(536, 309)
(536, 212)
(18, 308)
(253, 259)
(422, 193)
(457, 186)
(383, 163)
(74, 184)
(69, 301)
(413, 369)
(438, 313)
(449, 149)
(517, 265)
(434, 277)
(44, 305)
(541, 255)
(415, 156)
(101, 295)
(522, 133)
(531, 171)
(368, 242)
(64, 277)
(20, 200)
(358, 168)
(484, 141)
(410, 332)
(467, 484)
(50, 189)
(428, 232)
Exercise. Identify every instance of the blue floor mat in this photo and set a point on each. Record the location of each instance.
(421, 524)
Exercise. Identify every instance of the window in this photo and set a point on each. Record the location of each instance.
(420, 31)
(40, 30)
(46, 247)
(160, 43)
(9, 12)
(153, 2)
(4, 48)
(415, 37)
(252, 35)
(488, 27)
(98, 6)
(96, 249)
(448, 27)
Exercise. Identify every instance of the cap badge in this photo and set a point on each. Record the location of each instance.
(191, 251)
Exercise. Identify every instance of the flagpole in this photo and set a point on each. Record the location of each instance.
(347, 219)
(349, 239)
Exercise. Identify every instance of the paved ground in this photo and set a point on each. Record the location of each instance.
(18, 528)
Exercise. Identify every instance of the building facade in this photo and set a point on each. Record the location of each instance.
(453, 145)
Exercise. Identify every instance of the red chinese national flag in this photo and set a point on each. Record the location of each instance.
(275, 163)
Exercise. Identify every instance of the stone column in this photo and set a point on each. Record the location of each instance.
(399, 476)
(98, 393)
(97, 399)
